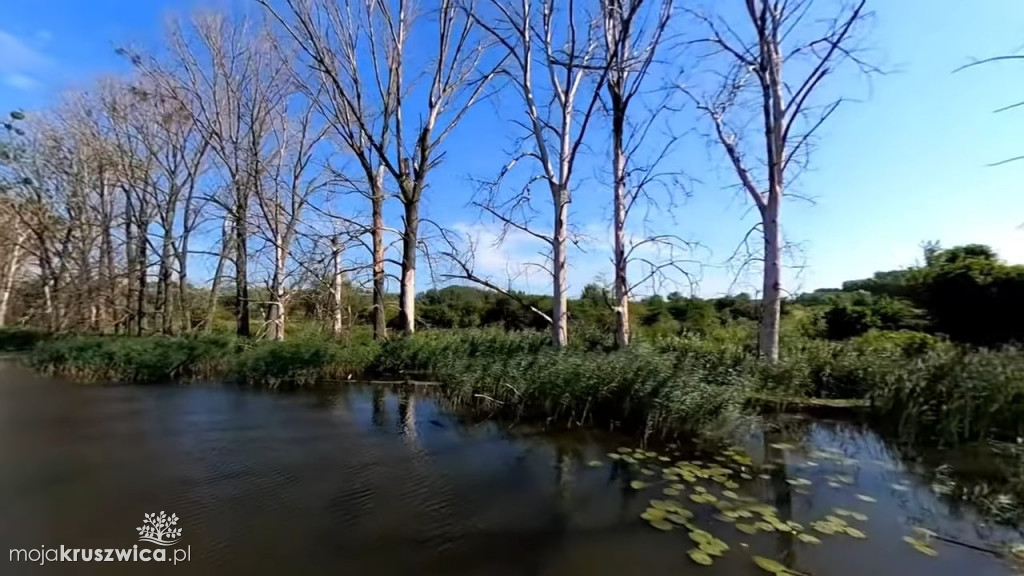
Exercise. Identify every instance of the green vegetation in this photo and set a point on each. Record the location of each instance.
(898, 341)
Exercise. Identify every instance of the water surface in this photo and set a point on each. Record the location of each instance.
(363, 480)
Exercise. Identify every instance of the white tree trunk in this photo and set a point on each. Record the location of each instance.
(337, 326)
(277, 291)
(560, 293)
(771, 300)
(621, 263)
(9, 275)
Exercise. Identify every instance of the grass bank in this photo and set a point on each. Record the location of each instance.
(924, 389)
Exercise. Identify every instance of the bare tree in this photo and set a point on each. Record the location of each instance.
(292, 183)
(228, 73)
(558, 103)
(359, 50)
(629, 52)
(776, 64)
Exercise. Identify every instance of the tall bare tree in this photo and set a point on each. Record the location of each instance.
(558, 102)
(228, 73)
(361, 51)
(777, 60)
(630, 47)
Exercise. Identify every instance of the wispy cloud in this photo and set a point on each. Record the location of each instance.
(21, 65)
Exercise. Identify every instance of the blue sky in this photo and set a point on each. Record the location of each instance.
(905, 164)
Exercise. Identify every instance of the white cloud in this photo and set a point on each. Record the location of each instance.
(519, 259)
(21, 64)
(20, 81)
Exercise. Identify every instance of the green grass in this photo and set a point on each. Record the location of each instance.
(923, 388)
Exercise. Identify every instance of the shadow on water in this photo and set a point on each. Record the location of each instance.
(372, 480)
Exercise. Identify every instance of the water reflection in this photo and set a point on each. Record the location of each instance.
(383, 481)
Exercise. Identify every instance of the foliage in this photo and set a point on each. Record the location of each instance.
(135, 360)
(20, 339)
(951, 395)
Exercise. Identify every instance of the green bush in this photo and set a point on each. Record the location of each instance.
(20, 339)
(135, 360)
(302, 362)
(954, 395)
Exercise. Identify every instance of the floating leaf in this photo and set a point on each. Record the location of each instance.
(637, 485)
(866, 498)
(594, 463)
(835, 485)
(730, 494)
(677, 486)
(680, 519)
(662, 504)
(836, 521)
(825, 527)
(700, 557)
(731, 485)
(764, 477)
(782, 446)
(855, 533)
(661, 524)
(764, 526)
(624, 450)
(747, 528)
(614, 455)
(724, 518)
(700, 536)
(769, 565)
(858, 516)
(746, 476)
(647, 471)
(670, 492)
(794, 525)
(664, 458)
(899, 487)
(808, 538)
(798, 481)
(842, 512)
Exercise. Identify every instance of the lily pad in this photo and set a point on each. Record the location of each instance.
(594, 463)
(614, 455)
(747, 528)
(624, 450)
(782, 446)
(855, 533)
(647, 471)
(700, 557)
(681, 519)
(670, 492)
(661, 524)
(769, 565)
(637, 485)
(808, 538)
(859, 517)
(866, 498)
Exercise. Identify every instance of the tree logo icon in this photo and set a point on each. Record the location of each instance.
(158, 529)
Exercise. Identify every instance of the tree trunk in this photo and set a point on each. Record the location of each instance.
(620, 261)
(184, 295)
(9, 275)
(771, 302)
(164, 282)
(336, 326)
(132, 321)
(242, 324)
(218, 274)
(142, 255)
(377, 233)
(560, 294)
(276, 313)
(407, 294)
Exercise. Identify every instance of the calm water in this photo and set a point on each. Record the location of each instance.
(370, 481)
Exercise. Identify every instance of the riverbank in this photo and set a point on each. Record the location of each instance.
(934, 393)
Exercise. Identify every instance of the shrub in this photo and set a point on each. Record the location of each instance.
(954, 395)
(20, 339)
(135, 360)
(302, 362)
